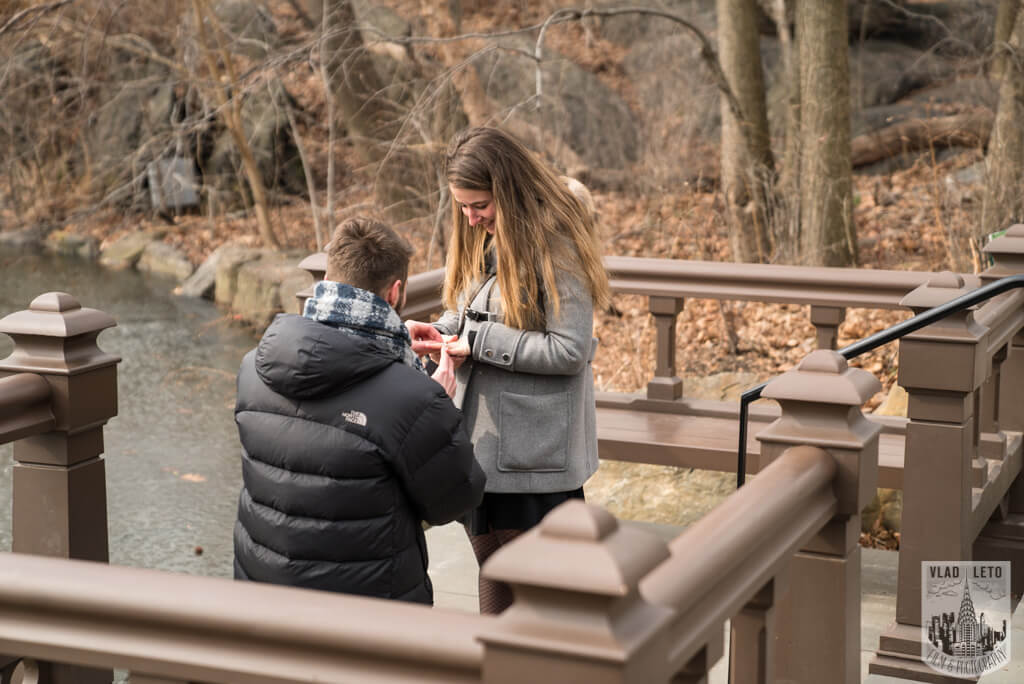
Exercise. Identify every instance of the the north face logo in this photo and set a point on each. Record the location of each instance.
(357, 417)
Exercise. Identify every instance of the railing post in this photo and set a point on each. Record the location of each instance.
(826, 321)
(818, 620)
(665, 385)
(696, 671)
(1002, 537)
(578, 614)
(316, 265)
(1008, 254)
(752, 636)
(942, 367)
(59, 483)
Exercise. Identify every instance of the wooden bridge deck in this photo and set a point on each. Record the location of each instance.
(704, 434)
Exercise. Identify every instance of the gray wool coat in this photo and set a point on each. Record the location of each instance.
(528, 396)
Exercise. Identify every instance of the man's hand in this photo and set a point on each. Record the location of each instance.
(445, 373)
(425, 337)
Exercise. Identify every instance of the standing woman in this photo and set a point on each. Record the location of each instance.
(524, 275)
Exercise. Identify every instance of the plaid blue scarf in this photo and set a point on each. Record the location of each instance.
(360, 312)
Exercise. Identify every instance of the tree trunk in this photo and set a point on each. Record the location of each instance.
(230, 109)
(786, 213)
(747, 164)
(1006, 17)
(369, 115)
(1003, 203)
(826, 197)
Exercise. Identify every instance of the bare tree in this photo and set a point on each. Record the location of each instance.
(221, 75)
(748, 168)
(1003, 202)
(826, 190)
(786, 212)
(1006, 16)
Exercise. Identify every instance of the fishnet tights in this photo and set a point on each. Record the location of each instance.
(495, 597)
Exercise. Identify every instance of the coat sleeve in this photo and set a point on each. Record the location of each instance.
(437, 467)
(562, 348)
(448, 323)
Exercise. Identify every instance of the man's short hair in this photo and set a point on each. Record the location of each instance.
(367, 254)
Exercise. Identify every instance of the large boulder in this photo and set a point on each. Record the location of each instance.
(131, 128)
(166, 260)
(227, 266)
(249, 27)
(203, 280)
(634, 29)
(67, 243)
(292, 283)
(258, 295)
(126, 251)
(270, 138)
(575, 106)
(884, 71)
(679, 109)
(24, 240)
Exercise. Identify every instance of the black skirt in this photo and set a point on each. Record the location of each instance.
(501, 511)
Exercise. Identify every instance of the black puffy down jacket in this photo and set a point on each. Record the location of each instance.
(345, 450)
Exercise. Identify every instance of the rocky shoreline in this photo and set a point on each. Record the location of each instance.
(253, 284)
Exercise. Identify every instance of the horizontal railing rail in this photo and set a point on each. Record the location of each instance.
(819, 286)
(189, 628)
(1004, 318)
(24, 406)
(721, 561)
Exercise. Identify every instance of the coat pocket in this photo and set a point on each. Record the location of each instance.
(533, 432)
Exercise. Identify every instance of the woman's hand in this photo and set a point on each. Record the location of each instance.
(445, 373)
(458, 349)
(425, 337)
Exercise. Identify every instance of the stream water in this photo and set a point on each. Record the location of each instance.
(172, 453)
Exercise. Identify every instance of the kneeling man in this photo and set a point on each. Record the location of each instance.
(347, 443)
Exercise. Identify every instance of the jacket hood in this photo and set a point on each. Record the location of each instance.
(300, 358)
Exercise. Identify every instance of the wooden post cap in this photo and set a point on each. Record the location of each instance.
(579, 548)
(577, 602)
(824, 377)
(820, 401)
(1007, 251)
(942, 288)
(56, 314)
(50, 316)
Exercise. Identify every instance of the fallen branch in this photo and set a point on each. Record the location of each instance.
(10, 24)
(971, 129)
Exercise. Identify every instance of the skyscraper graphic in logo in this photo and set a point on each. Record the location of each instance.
(965, 616)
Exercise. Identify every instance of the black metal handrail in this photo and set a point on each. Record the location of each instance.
(878, 339)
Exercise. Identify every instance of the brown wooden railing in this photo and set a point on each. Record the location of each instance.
(57, 390)
(824, 289)
(609, 603)
(182, 628)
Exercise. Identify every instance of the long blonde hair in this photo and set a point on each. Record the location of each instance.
(539, 226)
